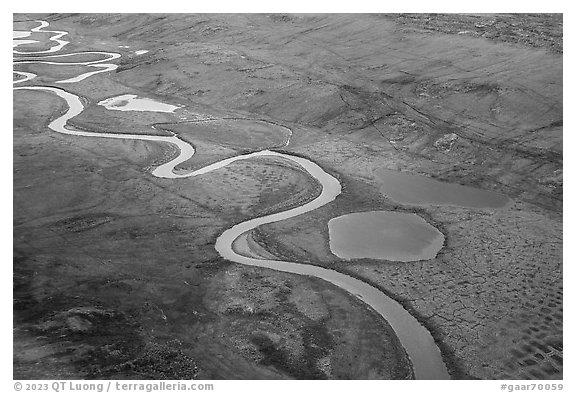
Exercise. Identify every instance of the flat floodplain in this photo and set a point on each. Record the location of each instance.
(145, 242)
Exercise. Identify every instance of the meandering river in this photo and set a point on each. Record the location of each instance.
(420, 346)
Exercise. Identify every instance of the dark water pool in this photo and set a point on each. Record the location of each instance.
(421, 190)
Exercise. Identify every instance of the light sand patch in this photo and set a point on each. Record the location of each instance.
(20, 34)
(131, 102)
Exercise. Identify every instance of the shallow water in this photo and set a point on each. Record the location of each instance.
(131, 102)
(26, 76)
(20, 34)
(103, 68)
(16, 43)
(412, 189)
(52, 59)
(107, 56)
(56, 38)
(384, 235)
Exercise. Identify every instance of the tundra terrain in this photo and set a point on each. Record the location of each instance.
(115, 271)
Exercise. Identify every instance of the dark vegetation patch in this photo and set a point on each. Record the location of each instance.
(533, 30)
(83, 222)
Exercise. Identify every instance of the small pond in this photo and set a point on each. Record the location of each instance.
(411, 189)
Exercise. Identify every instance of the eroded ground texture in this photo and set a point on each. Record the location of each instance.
(115, 272)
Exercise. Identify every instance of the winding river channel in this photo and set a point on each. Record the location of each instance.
(417, 341)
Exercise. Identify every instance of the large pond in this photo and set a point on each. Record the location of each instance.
(384, 235)
(411, 189)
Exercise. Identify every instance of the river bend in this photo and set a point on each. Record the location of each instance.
(417, 341)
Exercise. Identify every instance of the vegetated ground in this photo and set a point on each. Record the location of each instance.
(115, 270)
